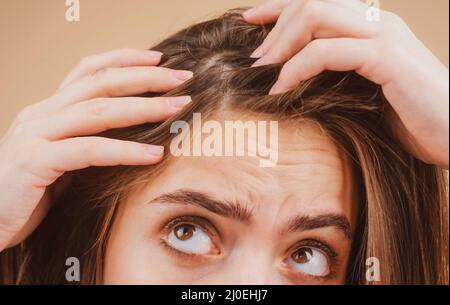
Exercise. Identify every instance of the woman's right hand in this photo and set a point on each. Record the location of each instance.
(51, 137)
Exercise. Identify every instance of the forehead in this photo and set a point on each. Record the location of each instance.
(312, 175)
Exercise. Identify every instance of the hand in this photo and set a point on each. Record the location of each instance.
(311, 36)
(50, 138)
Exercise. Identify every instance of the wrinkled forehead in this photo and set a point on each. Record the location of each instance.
(310, 172)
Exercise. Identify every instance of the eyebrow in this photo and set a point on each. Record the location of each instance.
(306, 222)
(223, 208)
(243, 213)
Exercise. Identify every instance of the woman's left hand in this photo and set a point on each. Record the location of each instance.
(311, 36)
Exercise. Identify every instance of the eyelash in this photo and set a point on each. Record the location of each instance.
(210, 229)
(201, 222)
(331, 254)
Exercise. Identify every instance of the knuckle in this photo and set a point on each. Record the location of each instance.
(101, 80)
(311, 11)
(22, 128)
(95, 107)
(102, 73)
(86, 61)
(394, 22)
(26, 113)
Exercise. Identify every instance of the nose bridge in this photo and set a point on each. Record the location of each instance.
(243, 269)
(251, 266)
(252, 263)
(252, 260)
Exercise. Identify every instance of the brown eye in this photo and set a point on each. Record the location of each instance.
(302, 255)
(309, 260)
(184, 231)
(190, 238)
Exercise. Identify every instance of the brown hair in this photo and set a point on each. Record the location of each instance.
(403, 217)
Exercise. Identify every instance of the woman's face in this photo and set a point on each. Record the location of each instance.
(226, 220)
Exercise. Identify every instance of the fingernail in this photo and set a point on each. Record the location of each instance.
(155, 54)
(275, 89)
(257, 53)
(259, 62)
(179, 101)
(183, 75)
(248, 13)
(154, 150)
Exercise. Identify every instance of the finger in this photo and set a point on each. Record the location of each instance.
(267, 12)
(117, 82)
(270, 11)
(340, 54)
(113, 59)
(291, 11)
(78, 153)
(91, 117)
(288, 12)
(356, 5)
(318, 19)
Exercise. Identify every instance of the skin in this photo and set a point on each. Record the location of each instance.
(311, 178)
(311, 36)
(89, 100)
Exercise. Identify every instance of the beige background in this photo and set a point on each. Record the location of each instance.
(38, 46)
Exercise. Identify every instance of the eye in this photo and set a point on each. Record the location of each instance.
(310, 261)
(191, 239)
